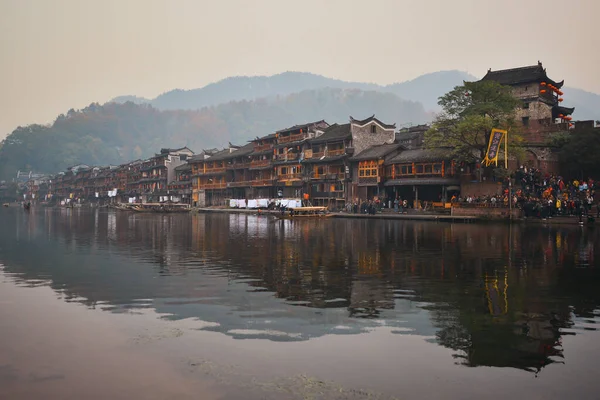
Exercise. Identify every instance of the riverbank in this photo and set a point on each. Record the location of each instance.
(415, 215)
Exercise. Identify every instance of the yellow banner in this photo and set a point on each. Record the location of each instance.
(493, 150)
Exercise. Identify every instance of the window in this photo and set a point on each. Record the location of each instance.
(373, 129)
(284, 171)
(320, 171)
(525, 121)
(428, 168)
(437, 168)
(419, 169)
(367, 168)
(525, 106)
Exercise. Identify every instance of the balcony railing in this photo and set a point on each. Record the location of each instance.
(260, 163)
(215, 169)
(291, 138)
(239, 184)
(337, 152)
(368, 180)
(289, 177)
(262, 182)
(318, 155)
(263, 147)
(239, 165)
(288, 157)
(334, 175)
(215, 185)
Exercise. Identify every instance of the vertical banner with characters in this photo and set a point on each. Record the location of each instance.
(493, 150)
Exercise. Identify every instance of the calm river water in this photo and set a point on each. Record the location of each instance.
(100, 304)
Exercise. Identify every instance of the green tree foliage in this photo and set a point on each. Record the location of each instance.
(469, 113)
(578, 152)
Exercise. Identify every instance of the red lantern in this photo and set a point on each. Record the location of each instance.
(561, 115)
(568, 118)
(571, 125)
(543, 83)
(543, 91)
(560, 99)
(560, 93)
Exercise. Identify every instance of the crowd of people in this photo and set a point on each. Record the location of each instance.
(545, 196)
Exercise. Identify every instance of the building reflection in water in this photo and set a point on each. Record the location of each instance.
(497, 295)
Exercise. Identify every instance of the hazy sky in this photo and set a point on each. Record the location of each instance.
(62, 54)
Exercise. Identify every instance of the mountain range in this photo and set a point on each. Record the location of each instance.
(236, 110)
(425, 89)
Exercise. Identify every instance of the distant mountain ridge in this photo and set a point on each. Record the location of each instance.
(425, 89)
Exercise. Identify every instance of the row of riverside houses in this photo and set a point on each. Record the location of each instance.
(333, 164)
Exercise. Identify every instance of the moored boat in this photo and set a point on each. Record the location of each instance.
(304, 212)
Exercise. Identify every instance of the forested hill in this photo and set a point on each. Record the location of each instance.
(116, 133)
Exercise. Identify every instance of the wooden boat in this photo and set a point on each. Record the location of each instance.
(5, 204)
(154, 207)
(304, 212)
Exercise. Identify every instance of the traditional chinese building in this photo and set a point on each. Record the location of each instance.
(159, 170)
(289, 152)
(369, 170)
(541, 111)
(326, 167)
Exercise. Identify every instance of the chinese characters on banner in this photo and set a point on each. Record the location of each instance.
(493, 147)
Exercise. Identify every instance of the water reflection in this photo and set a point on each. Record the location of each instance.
(496, 295)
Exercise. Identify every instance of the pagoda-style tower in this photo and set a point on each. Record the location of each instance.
(541, 112)
(541, 95)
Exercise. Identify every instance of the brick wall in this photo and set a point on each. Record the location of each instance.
(486, 212)
(363, 137)
(480, 188)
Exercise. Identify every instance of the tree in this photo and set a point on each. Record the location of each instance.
(578, 152)
(469, 113)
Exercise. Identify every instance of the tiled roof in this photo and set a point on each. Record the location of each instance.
(371, 119)
(302, 126)
(168, 150)
(420, 155)
(376, 152)
(334, 132)
(183, 167)
(222, 155)
(271, 136)
(515, 76)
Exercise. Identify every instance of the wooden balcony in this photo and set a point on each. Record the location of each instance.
(338, 152)
(288, 157)
(291, 138)
(260, 163)
(215, 185)
(289, 177)
(262, 182)
(239, 184)
(329, 176)
(263, 147)
(214, 170)
(318, 155)
(239, 165)
(369, 180)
